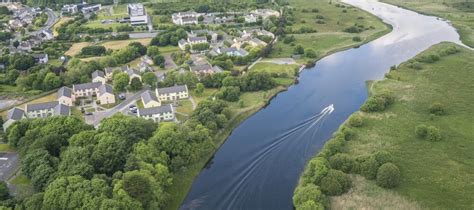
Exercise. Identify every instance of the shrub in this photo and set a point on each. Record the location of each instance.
(368, 168)
(335, 183)
(421, 131)
(348, 133)
(310, 53)
(315, 171)
(309, 192)
(383, 157)
(356, 120)
(378, 102)
(333, 146)
(356, 39)
(437, 108)
(433, 134)
(388, 176)
(341, 161)
(428, 58)
(310, 205)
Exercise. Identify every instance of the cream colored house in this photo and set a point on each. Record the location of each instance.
(157, 114)
(172, 93)
(47, 109)
(106, 94)
(149, 99)
(99, 76)
(65, 96)
(86, 89)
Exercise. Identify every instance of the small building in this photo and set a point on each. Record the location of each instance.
(92, 8)
(47, 109)
(192, 40)
(137, 14)
(132, 73)
(41, 58)
(158, 113)
(109, 71)
(65, 96)
(86, 89)
(232, 51)
(106, 94)
(99, 76)
(250, 18)
(202, 69)
(172, 93)
(13, 115)
(265, 13)
(185, 18)
(69, 8)
(149, 99)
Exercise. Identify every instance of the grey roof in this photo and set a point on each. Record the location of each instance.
(155, 110)
(172, 89)
(189, 19)
(131, 71)
(124, 68)
(182, 42)
(197, 39)
(105, 89)
(84, 86)
(65, 91)
(15, 114)
(217, 69)
(41, 106)
(148, 96)
(39, 56)
(97, 73)
(199, 68)
(61, 109)
(108, 70)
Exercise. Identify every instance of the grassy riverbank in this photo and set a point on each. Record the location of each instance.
(459, 12)
(434, 174)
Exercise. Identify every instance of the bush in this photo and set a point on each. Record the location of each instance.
(388, 176)
(315, 171)
(356, 120)
(356, 39)
(309, 192)
(368, 168)
(378, 103)
(310, 53)
(421, 131)
(383, 157)
(437, 109)
(348, 133)
(335, 183)
(433, 134)
(341, 161)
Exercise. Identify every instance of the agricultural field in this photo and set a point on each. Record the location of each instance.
(459, 12)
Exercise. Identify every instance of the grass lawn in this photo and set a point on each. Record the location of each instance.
(435, 175)
(329, 36)
(185, 107)
(140, 104)
(20, 180)
(6, 148)
(76, 48)
(459, 12)
(208, 92)
(286, 73)
(59, 23)
(119, 44)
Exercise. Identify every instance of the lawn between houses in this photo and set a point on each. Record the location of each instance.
(459, 12)
(433, 174)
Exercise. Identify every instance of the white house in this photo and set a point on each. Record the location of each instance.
(250, 18)
(192, 40)
(132, 73)
(69, 8)
(106, 94)
(41, 58)
(149, 99)
(185, 18)
(99, 76)
(202, 69)
(47, 109)
(172, 93)
(137, 14)
(86, 89)
(92, 8)
(13, 115)
(65, 96)
(158, 113)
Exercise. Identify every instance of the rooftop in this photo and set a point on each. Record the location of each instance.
(65, 91)
(84, 86)
(155, 110)
(148, 96)
(15, 114)
(172, 89)
(61, 109)
(199, 68)
(105, 89)
(41, 106)
(97, 73)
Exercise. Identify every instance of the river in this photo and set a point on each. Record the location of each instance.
(259, 165)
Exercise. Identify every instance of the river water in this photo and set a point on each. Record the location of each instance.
(259, 165)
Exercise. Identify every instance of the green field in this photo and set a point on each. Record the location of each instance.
(459, 12)
(434, 174)
(330, 35)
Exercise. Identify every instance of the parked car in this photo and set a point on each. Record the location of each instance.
(122, 96)
(88, 113)
(133, 108)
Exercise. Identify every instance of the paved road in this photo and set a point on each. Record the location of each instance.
(99, 116)
(52, 18)
(9, 163)
(142, 35)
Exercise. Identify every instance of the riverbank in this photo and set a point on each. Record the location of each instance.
(434, 174)
(460, 14)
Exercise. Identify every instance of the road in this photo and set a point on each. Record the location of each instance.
(9, 163)
(99, 116)
(52, 18)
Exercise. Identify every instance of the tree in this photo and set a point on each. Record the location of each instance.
(388, 176)
(199, 89)
(299, 50)
(368, 168)
(139, 185)
(356, 120)
(150, 79)
(229, 93)
(433, 134)
(158, 60)
(16, 43)
(51, 81)
(315, 171)
(4, 193)
(139, 47)
(421, 131)
(309, 192)
(120, 81)
(335, 183)
(341, 161)
(310, 53)
(153, 51)
(136, 84)
(93, 50)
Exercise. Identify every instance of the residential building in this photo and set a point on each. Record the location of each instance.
(109, 71)
(158, 113)
(47, 109)
(185, 18)
(65, 96)
(256, 32)
(69, 8)
(265, 13)
(13, 115)
(106, 94)
(232, 51)
(149, 99)
(86, 89)
(250, 18)
(202, 69)
(137, 14)
(192, 40)
(41, 58)
(99, 76)
(92, 8)
(172, 93)
(132, 73)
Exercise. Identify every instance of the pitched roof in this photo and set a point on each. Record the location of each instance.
(172, 89)
(148, 96)
(15, 114)
(108, 70)
(155, 110)
(97, 73)
(217, 69)
(198, 68)
(61, 109)
(197, 39)
(84, 86)
(39, 56)
(105, 89)
(65, 91)
(41, 106)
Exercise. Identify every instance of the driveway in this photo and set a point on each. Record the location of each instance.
(99, 116)
(169, 63)
(9, 164)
